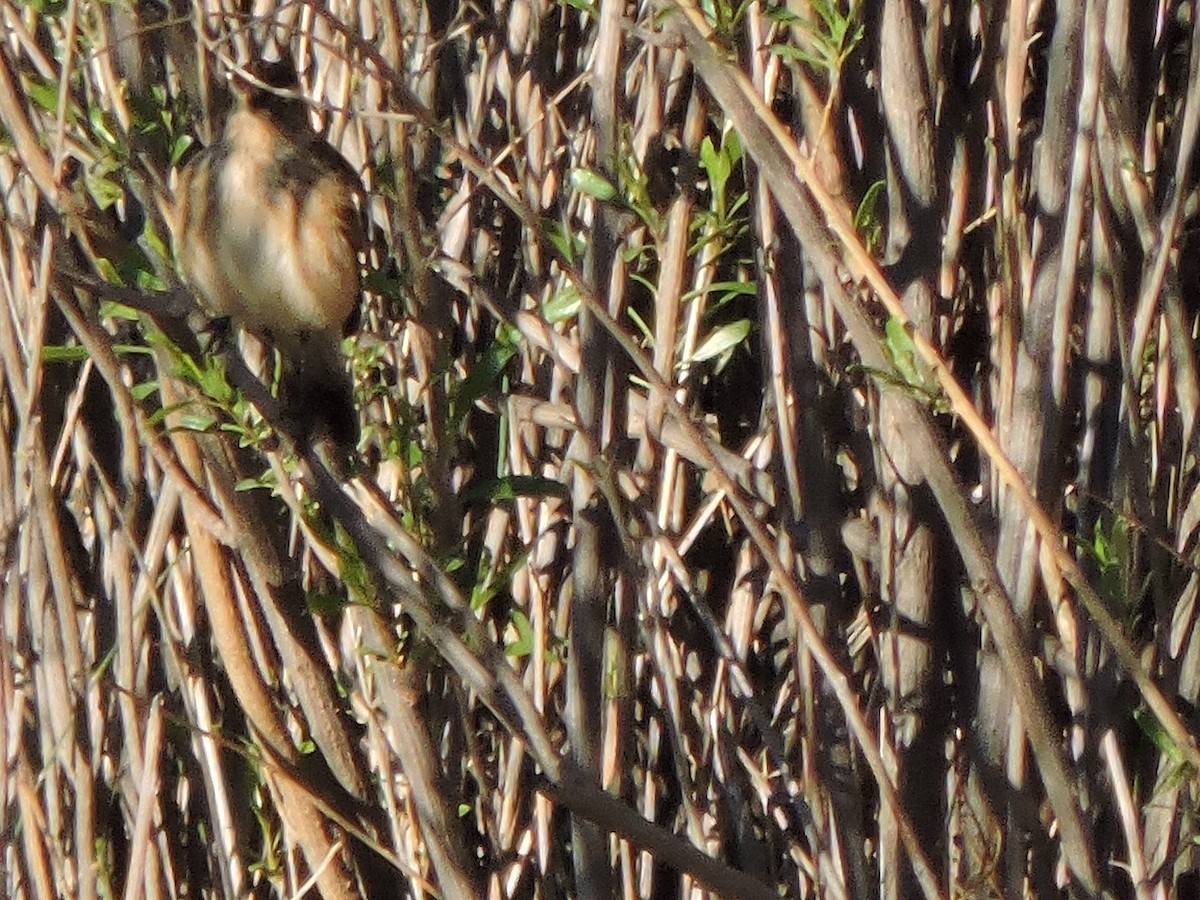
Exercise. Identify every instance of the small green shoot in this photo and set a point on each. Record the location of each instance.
(563, 306)
(866, 221)
(570, 245)
(592, 184)
(483, 377)
(63, 353)
(522, 644)
(353, 570)
(721, 341)
(830, 37)
(510, 487)
(1112, 552)
(1178, 768)
(907, 372)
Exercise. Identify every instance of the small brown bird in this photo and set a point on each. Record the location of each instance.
(267, 232)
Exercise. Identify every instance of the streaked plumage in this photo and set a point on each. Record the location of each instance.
(267, 232)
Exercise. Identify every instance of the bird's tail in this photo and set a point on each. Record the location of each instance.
(318, 392)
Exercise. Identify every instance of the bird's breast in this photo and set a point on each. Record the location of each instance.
(281, 248)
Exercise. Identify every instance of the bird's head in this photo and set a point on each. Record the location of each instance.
(272, 87)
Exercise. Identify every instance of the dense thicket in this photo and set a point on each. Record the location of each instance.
(778, 472)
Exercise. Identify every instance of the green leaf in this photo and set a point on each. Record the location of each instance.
(103, 190)
(812, 60)
(143, 389)
(50, 8)
(731, 147)
(509, 487)
(523, 645)
(719, 167)
(325, 603)
(265, 480)
(43, 93)
(650, 286)
(213, 381)
(562, 306)
(481, 595)
(828, 14)
(154, 241)
(782, 15)
(722, 339)
(866, 222)
(148, 281)
(614, 680)
(111, 309)
(354, 573)
(60, 353)
(108, 271)
(482, 377)
(180, 147)
(509, 334)
(903, 351)
(160, 415)
(414, 457)
(1102, 549)
(197, 421)
(832, 36)
(593, 184)
(636, 252)
(489, 583)
(103, 126)
(641, 324)
(1152, 728)
(132, 350)
(570, 246)
(728, 289)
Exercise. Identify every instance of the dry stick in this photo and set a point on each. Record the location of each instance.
(71, 694)
(264, 757)
(21, 130)
(689, 859)
(492, 678)
(596, 393)
(781, 161)
(229, 633)
(1168, 228)
(839, 682)
(148, 790)
(1128, 812)
(34, 831)
(866, 268)
(397, 688)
